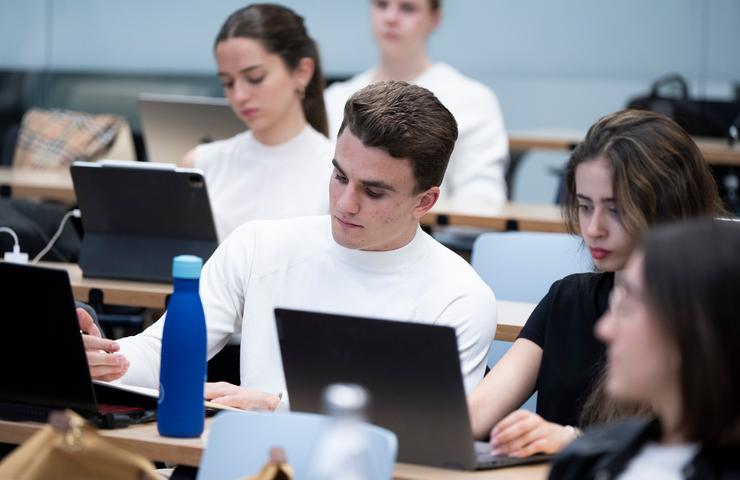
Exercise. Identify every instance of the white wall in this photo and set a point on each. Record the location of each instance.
(552, 63)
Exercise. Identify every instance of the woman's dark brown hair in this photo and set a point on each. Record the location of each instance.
(658, 173)
(282, 32)
(692, 283)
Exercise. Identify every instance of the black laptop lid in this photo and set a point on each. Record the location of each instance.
(138, 217)
(41, 352)
(412, 371)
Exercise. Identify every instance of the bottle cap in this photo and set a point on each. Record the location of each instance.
(345, 399)
(186, 266)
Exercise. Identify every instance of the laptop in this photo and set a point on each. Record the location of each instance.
(137, 216)
(174, 124)
(43, 358)
(411, 370)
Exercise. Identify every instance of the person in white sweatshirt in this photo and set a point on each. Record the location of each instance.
(271, 74)
(476, 173)
(369, 257)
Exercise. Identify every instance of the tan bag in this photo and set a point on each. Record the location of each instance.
(277, 468)
(68, 448)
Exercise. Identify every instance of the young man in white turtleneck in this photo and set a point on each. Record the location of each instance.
(369, 257)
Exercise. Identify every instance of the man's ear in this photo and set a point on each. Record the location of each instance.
(427, 200)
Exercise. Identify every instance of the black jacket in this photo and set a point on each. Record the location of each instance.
(604, 452)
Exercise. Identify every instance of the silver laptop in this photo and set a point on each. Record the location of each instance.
(412, 371)
(174, 124)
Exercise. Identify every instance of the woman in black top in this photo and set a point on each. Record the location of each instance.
(672, 335)
(634, 169)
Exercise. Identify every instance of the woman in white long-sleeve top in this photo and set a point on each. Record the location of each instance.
(281, 166)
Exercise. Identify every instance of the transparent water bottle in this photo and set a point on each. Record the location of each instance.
(343, 449)
(731, 182)
(181, 409)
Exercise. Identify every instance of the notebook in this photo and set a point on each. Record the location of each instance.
(411, 370)
(138, 216)
(174, 124)
(43, 358)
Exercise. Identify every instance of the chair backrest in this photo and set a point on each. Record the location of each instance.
(521, 266)
(239, 443)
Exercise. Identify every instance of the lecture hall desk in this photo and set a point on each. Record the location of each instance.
(509, 216)
(716, 151)
(511, 315)
(53, 185)
(57, 185)
(145, 440)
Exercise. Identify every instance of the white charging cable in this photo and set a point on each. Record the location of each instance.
(72, 213)
(16, 256)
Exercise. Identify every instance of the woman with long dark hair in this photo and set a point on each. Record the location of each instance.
(635, 169)
(280, 167)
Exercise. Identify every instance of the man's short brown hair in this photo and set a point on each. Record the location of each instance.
(406, 121)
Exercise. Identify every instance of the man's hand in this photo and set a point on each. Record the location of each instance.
(523, 433)
(103, 362)
(225, 393)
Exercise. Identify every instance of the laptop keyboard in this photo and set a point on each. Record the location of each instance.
(485, 461)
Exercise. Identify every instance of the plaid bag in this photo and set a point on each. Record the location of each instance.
(51, 139)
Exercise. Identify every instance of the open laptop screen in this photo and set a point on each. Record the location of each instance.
(41, 352)
(174, 124)
(411, 370)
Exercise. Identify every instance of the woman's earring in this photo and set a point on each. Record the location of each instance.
(301, 91)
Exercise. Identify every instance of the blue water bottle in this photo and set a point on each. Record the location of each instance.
(181, 409)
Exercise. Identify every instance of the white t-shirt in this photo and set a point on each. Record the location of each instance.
(478, 163)
(248, 180)
(295, 263)
(665, 462)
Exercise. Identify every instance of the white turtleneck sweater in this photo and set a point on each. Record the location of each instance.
(248, 180)
(295, 263)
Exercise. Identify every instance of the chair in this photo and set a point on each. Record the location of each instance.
(521, 267)
(239, 442)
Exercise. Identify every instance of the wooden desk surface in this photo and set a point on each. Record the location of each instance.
(57, 184)
(405, 471)
(546, 139)
(509, 216)
(511, 315)
(144, 440)
(115, 292)
(716, 150)
(43, 184)
(511, 318)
